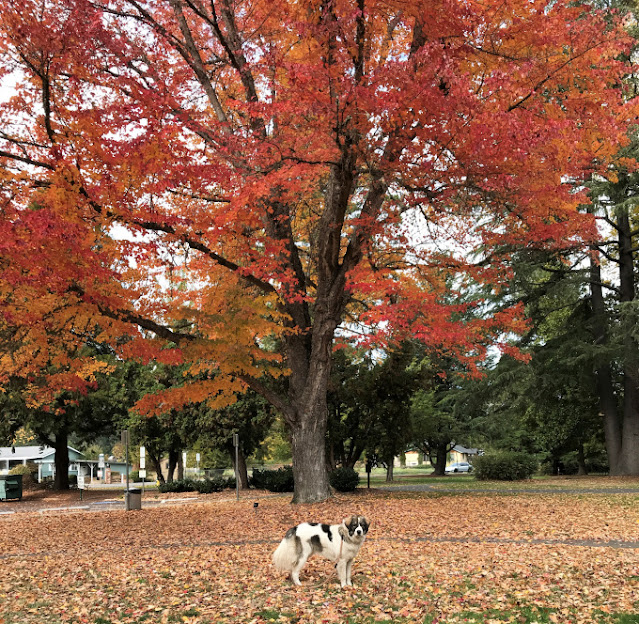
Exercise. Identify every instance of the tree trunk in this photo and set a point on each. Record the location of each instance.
(241, 469)
(180, 466)
(603, 374)
(309, 359)
(581, 461)
(439, 466)
(629, 458)
(308, 445)
(354, 455)
(156, 462)
(390, 468)
(173, 459)
(61, 445)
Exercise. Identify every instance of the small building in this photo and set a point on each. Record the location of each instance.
(44, 458)
(460, 453)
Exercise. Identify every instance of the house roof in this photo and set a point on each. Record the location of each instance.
(29, 453)
(462, 449)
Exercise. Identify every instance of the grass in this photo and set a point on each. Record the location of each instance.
(423, 476)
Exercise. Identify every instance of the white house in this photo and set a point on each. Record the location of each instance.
(44, 458)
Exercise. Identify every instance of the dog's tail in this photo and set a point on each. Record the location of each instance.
(285, 556)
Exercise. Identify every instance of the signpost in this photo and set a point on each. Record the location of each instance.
(81, 484)
(143, 466)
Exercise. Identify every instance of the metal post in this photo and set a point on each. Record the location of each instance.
(143, 466)
(236, 443)
(125, 440)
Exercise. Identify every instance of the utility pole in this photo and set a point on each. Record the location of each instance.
(125, 441)
(236, 444)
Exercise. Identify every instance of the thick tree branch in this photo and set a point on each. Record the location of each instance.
(195, 61)
(27, 160)
(271, 396)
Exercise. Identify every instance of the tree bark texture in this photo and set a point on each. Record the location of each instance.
(629, 458)
(173, 460)
(240, 469)
(603, 374)
(156, 462)
(61, 445)
(390, 470)
(441, 452)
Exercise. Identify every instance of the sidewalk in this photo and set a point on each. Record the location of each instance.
(96, 498)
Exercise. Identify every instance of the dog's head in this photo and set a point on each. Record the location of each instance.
(357, 526)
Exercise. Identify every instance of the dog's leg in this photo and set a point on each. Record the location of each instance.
(341, 572)
(349, 567)
(304, 555)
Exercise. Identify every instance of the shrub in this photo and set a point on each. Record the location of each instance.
(205, 486)
(29, 474)
(504, 466)
(280, 480)
(344, 479)
(183, 485)
(216, 484)
(135, 476)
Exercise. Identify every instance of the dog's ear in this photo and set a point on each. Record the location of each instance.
(364, 523)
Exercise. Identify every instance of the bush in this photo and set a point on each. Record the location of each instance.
(504, 466)
(183, 485)
(135, 476)
(280, 480)
(29, 474)
(344, 479)
(216, 484)
(205, 486)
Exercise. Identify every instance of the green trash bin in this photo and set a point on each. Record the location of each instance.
(10, 487)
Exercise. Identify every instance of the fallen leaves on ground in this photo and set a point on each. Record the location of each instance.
(427, 558)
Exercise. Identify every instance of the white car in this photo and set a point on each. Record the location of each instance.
(459, 467)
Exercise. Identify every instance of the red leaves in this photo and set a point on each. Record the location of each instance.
(191, 169)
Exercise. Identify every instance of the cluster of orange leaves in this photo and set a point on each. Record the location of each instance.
(160, 192)
(427, 558)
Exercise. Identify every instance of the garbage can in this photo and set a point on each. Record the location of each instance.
(134, 499)
(11, 487)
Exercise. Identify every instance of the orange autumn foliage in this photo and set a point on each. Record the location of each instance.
(223, 177)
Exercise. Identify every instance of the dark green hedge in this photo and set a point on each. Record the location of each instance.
(280, 480)
(205, 486)
(344, 479)
(504, 466)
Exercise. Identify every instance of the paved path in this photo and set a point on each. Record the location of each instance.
(103, 505)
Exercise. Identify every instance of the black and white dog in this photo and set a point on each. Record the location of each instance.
(338, 542)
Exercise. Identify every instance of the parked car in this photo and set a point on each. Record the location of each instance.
(459, 467)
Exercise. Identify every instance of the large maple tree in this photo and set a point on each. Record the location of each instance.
(230, 183)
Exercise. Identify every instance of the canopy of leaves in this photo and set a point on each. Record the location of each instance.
(331, 157)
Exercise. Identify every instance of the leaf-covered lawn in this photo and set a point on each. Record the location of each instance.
(461, 558)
